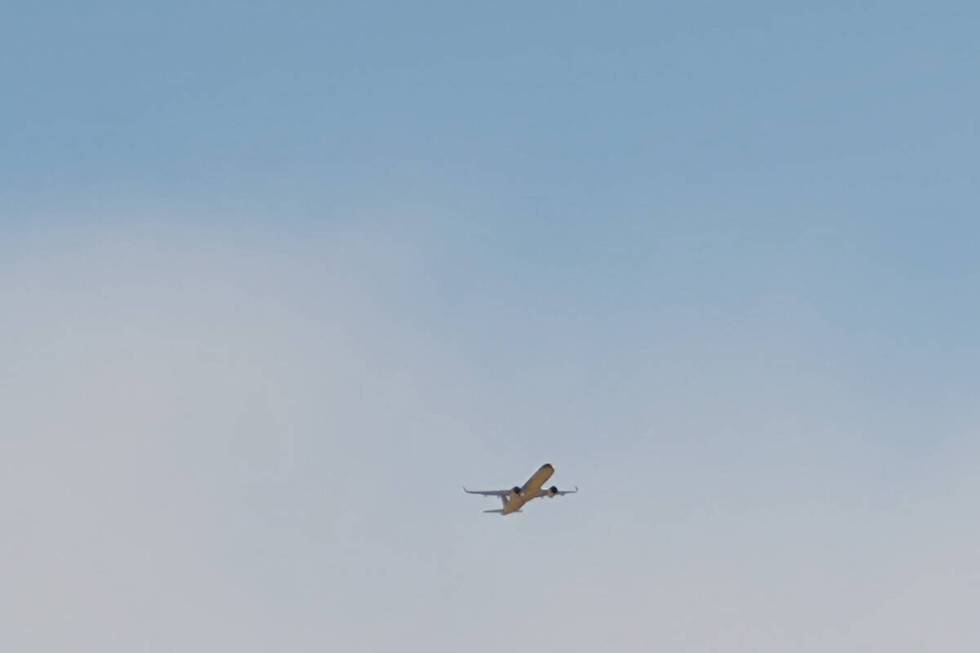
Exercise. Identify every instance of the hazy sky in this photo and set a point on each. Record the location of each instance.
(277, 280)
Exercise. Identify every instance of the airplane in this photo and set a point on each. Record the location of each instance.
(515, 498)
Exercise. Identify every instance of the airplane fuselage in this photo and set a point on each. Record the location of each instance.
(514, 501)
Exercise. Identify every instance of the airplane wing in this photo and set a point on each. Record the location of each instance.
(488, 493)
(561, 493)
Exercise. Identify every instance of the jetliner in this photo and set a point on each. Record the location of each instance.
(515, 498)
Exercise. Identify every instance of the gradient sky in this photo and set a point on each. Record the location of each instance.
(277, 280)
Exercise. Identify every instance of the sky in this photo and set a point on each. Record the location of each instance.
(277, 280)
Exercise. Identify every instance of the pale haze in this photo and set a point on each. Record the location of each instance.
(277, 280)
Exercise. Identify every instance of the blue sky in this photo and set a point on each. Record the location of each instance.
(277, 281)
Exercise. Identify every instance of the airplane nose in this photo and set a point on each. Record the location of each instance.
(547, 466)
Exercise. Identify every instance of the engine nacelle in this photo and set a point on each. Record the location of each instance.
(516, 491)
(553, 490)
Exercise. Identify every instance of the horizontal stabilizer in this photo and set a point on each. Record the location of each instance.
(496, 512)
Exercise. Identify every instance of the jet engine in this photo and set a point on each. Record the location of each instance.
(553, 490)
(516, 491)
